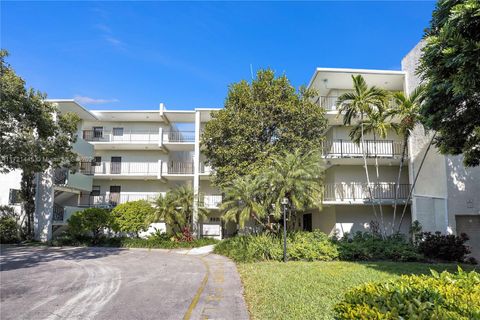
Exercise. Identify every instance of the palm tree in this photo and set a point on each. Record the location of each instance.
(407, 111)
(356, 105)
(175, 208)
(243, 201)
(297, 176)
(377, 124)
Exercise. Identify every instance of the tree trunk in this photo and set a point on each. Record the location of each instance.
(397, 186)
(366, 170)
(27, 191)
(415, 181)
(382, 221)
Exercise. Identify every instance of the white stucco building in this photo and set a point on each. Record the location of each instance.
(138, 154)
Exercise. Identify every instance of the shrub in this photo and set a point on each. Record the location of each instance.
(365, 246)
(133, 216)
(89, 222)
(8, 230)
(300, 246)
(444, 247)
(444, 296)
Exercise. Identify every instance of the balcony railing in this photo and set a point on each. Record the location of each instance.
(359, 191)
(125, 168)
(330, 102)
(180, 136)
(348, 149)
(175, 167)
(210, 201)
(114, 199)
(130, 136)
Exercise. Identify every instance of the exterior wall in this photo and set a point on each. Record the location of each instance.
(44, 206)
(356, 173)
(340, 219)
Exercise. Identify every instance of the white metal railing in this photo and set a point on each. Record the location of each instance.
(128, 168)
(124, 135)
(178, 167)
(359, 191)
(179, 136)
(329, 103)
(113, 199)
(210, 201)
(347, 149)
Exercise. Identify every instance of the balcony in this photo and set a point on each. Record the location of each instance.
(126, 170)
(358, 192)
(127, 139)
(68, 181)
(373, 148)
(329, 103)
(179, 167)
(179, 140)
(110, 200)
(210, 201)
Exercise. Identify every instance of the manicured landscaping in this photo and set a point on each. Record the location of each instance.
(310, 290)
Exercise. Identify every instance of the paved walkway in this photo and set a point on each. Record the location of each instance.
(112, 283)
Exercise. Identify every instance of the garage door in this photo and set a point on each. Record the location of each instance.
(471, 226)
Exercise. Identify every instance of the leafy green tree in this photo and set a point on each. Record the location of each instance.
(355, 106)
(133, 216)
(175, 208)
(260, 119)
(33, 135)
(297, 176)
(450, 68)
(90, 222)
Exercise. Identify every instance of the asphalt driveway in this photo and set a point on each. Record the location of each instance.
(111, 283)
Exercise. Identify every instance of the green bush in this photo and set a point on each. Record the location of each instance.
(444, 296)
(300, 246)
(446, 247)
(89, 222)
(8, 230)
(365, 246)
(133, 216)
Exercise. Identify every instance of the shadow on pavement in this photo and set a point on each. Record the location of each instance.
(17, 257)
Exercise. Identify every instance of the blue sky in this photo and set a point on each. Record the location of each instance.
(134, 55)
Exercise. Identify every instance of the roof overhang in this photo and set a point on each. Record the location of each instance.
(325, 79)
(70, 105)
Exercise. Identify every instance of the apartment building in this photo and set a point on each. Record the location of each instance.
(139, 154)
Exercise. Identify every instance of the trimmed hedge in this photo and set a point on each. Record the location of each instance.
(439, 296)
(308, 246)
(368, 247)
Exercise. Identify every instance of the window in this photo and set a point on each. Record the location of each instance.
(14, 196)
(117, 132)
(214, 219)
(98, 132)
(95, 191)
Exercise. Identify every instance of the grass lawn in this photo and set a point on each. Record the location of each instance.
(309, 290)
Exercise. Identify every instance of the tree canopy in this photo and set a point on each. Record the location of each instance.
(450, 67)
(34, 136)
(263, 118)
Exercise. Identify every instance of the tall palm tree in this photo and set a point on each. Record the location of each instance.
(378, 124)
(355, 106)
(175, 208)
(297, 176)
(407, 110)
(244, 201)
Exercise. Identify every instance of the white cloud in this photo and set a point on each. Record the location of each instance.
(114, 41)
(87, 100)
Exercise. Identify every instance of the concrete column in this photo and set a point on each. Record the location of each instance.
(44, 197)
(196, 176)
